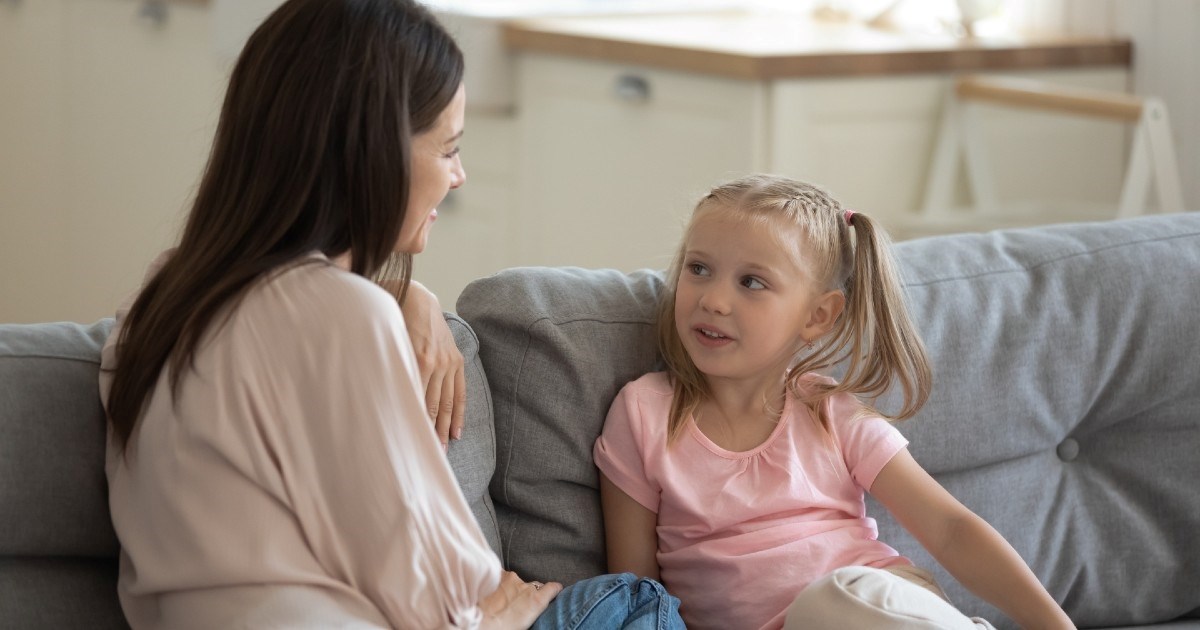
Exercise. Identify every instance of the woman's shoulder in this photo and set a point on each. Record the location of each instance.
(315, 293)
(312, 312)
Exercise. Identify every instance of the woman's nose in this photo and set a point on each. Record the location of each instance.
(458, 176)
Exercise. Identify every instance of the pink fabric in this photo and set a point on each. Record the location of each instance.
(741, 534)
(295, 481)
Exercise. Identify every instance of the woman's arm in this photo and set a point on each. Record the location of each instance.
(438, 359)
(629, 532)
(345, 425)
(974, 552)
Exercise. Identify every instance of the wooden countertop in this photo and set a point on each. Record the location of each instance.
(760, 45)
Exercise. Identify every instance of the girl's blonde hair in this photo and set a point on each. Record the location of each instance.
(848, 252)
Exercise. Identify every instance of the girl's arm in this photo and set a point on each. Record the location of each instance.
(629, 532)
(975, 553)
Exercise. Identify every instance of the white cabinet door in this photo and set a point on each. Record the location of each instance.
(31, 159)
(614, 158)
(866, 140)
(141, 108)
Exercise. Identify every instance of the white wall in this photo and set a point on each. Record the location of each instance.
(1166, 47)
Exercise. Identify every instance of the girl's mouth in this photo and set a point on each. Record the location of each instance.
(711, 338)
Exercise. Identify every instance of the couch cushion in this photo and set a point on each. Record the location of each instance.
(557, 344)
(53, 493)
(60, 593)
(1084, 333)
(1066, 409)
(473, 457)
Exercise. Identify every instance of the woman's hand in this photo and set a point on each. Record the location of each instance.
(439, 361)
(517, 603)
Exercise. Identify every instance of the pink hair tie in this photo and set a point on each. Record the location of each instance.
(849, 217)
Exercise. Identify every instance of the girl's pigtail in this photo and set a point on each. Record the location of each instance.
(883, 343)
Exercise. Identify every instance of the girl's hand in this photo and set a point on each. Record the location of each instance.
(439, 361)
(517, 603)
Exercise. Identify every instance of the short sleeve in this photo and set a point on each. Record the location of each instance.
(620, 451)
(867, 443)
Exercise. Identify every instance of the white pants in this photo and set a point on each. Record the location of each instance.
(902, 597)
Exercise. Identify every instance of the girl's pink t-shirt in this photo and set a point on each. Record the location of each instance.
(741, 534)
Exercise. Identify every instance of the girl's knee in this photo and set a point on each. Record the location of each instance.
(869, 597)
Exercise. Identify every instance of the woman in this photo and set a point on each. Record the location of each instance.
(271, 461)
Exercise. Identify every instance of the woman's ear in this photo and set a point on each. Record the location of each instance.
(825, 312)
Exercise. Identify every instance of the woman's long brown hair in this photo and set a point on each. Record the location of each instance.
(312, 153)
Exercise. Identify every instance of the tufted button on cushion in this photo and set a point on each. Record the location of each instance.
(1068, 450)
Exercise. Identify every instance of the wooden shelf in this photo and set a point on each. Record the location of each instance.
(757, 46)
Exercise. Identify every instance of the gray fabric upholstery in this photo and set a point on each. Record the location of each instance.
(1066, 409)
(556, 344)
(58, 550)
(473, 457)
(52, 486)
(60, 593)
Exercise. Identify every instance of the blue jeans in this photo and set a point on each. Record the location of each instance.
(610, 602)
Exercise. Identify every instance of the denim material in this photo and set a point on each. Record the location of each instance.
(612, 601)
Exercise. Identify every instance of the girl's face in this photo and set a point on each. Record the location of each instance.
(745, 303)
(436, 170)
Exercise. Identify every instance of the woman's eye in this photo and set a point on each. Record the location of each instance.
(753, 283)
(453, 152)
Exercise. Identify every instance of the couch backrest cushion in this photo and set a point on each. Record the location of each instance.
(557, 344)
(1066, 406)
(53, 493)
(1066, 409)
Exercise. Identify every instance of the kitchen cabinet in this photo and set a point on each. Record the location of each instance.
(614, 155)
(627, 122)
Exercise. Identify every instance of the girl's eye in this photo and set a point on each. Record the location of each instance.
(696, 269)
(750, 282)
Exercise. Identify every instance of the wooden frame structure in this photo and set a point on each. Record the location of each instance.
(1151, 155)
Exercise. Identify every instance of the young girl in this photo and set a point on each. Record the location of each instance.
(737, 476)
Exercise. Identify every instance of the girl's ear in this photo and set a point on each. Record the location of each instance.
(825, 312)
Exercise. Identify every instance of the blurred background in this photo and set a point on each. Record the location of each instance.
(593, 126)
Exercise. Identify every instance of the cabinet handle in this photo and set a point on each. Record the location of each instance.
(632, 88)
(153, 11)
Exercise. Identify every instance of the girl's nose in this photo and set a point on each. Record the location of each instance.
(715, 300)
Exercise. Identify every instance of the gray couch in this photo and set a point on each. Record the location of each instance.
(1066, 411)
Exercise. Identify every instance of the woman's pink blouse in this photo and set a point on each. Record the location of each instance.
(294, 479)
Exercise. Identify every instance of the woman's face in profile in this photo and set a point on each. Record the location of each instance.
(436, 170)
